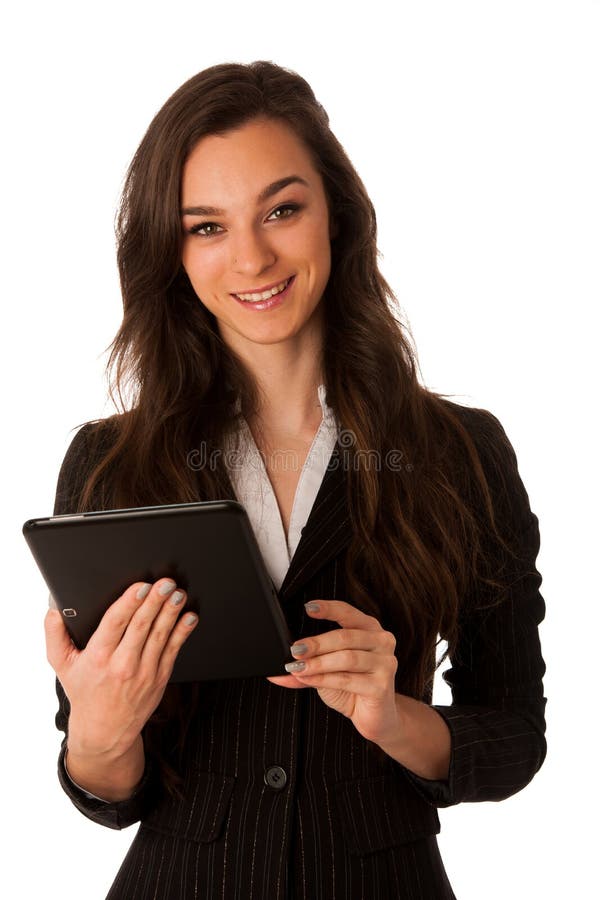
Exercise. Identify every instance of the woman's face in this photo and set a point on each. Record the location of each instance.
(260, 232)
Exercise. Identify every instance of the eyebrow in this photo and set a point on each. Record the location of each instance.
(267, 192)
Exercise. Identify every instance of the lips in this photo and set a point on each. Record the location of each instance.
(282, 285)
(272, 302)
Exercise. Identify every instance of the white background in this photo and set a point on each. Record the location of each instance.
(474, 126)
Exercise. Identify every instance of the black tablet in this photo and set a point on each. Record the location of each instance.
(208, 548)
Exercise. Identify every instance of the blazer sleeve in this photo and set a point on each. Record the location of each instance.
(71, 479)
(497, 715)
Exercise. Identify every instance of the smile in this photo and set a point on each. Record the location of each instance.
(265, 295)
(266, 300)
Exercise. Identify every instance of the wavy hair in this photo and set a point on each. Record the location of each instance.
(418, 551)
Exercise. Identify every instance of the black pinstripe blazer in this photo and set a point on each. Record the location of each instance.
(282, 796)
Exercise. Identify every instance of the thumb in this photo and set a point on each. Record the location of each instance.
(287, 681)
(59, 646)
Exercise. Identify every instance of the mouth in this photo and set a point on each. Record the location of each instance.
(258, 296)
(267, 299)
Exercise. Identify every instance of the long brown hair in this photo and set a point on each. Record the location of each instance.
(420, 529)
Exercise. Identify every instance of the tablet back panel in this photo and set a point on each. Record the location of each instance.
(209, 550)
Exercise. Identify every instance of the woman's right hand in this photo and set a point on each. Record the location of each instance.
(116, 682)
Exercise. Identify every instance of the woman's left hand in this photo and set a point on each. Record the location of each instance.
(352, 669)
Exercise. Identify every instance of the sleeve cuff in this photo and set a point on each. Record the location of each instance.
(501, 745)
(78, 786)
(113, 814)
(439, 793)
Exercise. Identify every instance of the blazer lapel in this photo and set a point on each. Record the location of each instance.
(327, 529)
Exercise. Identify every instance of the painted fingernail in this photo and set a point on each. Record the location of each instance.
(295, 666)
(190, 619)
(298, 649)
(312, 606)
(143, 591)
(176, 598)
(166, 588)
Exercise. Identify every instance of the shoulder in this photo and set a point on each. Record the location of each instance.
(487, 433)
(481, 423)
(91, 440)
(498, 460)
(85, 449)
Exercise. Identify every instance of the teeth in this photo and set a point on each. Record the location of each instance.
(254, 298)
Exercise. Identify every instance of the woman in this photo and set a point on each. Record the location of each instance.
(255, 318)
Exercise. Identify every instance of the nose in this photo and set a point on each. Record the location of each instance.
(251, 253)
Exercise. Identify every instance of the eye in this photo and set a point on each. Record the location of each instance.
(199, 228)
(291, 207)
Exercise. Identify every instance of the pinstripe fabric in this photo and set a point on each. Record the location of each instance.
(349, 822)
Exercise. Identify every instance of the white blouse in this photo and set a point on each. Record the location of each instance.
(254, 490)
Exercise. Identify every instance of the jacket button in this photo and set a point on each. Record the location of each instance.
(275, 777)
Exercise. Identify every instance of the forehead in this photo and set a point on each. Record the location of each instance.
(242, 161)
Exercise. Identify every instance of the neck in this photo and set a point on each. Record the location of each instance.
(288, 375)
(289, 402)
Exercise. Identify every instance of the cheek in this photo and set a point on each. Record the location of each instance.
(323, 255)
(314, 246)
(202, 271)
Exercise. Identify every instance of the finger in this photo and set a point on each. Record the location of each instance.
(161, 628)
(380, 642)
(177, 638)
(353, 682)
(117, 617)
(59, 646)
(158, 599)
(347, 660)
(343, 613)
(287, 681)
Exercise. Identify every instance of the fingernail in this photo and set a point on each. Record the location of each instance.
(298, 649)
(295, 666)
(143, 591)
(176, 598)
(191, 619)
(312, 606)
(166, 588)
